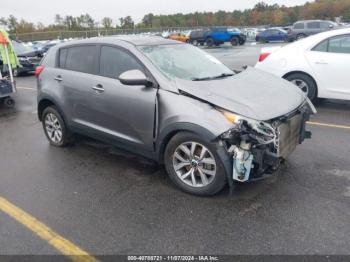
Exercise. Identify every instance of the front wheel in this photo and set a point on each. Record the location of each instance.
(210, 42)
(193, 165)
(305, 83)
(55, 128)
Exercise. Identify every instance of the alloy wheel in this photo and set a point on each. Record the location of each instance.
(302, 85)
(53, 128)
(194, 164)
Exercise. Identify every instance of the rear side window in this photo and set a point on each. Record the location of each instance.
(299, 26)
(114, 62)
(81, 59)
(339, 44)
(313, 25)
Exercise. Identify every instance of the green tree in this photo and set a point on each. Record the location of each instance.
(126, 22)
(107, 22)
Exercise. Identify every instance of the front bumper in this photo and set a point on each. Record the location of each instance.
(255, 157)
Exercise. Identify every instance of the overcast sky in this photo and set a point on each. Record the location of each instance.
(44, 11)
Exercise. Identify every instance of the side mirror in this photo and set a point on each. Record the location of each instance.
(134, 78)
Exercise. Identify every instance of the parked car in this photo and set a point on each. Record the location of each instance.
(302, 29)
(28, 57)
(197, 37)
(270, 35)
(173, 103)
(180, 37)
(318, 65)
(219, 35)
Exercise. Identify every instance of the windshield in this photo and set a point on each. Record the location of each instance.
(21, 49)
(185, 62)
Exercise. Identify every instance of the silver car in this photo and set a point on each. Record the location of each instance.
(175, 104)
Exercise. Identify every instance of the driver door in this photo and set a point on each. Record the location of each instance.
(126, 113)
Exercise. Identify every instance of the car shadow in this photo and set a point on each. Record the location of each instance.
(149, 169)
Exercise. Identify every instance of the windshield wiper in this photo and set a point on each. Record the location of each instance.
(212, 77)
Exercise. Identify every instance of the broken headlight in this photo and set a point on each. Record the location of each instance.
(261, 132)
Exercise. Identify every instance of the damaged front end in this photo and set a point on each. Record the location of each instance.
(258, 148)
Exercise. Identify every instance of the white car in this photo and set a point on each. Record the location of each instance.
(319, 64)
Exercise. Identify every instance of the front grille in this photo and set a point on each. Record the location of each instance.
(289, 135)
(34, 60)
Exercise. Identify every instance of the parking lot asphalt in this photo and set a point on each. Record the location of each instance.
(109, 202)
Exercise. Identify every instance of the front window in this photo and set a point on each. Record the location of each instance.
(185, 62)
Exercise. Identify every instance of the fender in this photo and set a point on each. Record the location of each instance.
(168, 132)
(54, 102)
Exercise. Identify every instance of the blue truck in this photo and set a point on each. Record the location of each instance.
(216, 36)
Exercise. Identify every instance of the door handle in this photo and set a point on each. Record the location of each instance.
(58, 78)
(98, 88)
(321, 63)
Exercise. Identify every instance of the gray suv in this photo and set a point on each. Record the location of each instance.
(173, 103)
(302, 29)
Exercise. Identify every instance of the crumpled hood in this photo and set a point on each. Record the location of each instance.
(252, 93)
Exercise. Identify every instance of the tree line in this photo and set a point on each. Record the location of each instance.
(260, 14)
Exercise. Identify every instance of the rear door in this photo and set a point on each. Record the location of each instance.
(78, 68)
(330, 61)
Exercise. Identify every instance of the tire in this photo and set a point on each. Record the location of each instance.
(214, 182)
(210, 42)
(300, 36)
(60, 135)
(9, 102)
(234, 41)
(300, 80)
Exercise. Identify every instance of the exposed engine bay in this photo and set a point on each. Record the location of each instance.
(259, 147)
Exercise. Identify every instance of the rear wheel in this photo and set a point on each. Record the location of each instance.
(55, 128)
(193, 165)
(300, 36)
(305, 83)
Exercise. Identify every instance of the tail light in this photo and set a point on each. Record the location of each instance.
(263, 56)
(38, 70)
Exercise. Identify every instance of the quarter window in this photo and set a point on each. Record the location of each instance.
(62, 58)
(81, 59)
(114, 62)
(321, 47)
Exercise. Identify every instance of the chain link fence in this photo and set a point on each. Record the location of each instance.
(53, 35)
